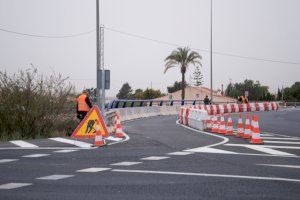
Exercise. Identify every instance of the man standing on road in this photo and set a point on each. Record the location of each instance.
(206, 100)
(83, 105)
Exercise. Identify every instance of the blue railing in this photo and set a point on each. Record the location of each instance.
(123, 103)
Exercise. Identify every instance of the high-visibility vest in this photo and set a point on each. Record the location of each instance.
(82, 105)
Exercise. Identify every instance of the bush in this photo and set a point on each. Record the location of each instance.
(32, 105)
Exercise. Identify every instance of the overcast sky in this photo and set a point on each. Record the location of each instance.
(263, 29)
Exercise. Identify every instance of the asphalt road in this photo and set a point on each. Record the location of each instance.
(161, 160)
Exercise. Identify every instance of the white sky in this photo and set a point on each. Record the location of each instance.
(268, 29)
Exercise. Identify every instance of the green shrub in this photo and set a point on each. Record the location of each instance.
(32, 105)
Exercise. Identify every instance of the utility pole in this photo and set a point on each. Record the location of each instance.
(282, 94)
(211, 70)
(98, 100)
(102, 67)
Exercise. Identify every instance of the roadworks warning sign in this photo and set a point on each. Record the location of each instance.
(87, 127)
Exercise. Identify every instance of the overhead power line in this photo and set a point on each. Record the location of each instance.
(48, 36)
(148, 39)
(204, 50)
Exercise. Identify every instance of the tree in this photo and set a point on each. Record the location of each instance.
(152, 94)
(257, 92)
(292, 93)
(125, 92)
(198, 76)
(138, 94)
(176, 86)
(182, 58)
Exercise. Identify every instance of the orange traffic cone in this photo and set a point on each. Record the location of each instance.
(99, 141)
(248, 132)
(119, 132)
(255, 132)
(229, 126)
(208, 122)
(240, 132)
(215, 128)
(222, 128)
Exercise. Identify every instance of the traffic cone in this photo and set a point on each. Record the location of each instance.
(118, 127)
(99, 141)
(208, 122)
(240, 132)
(222, 128)
(229, 126)
(255, 132)
(248, 132)
(215, 128)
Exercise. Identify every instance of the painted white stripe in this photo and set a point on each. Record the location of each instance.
(225, 139)
(287, 166)
(23, 144)
(208, 175)
(93, 170)
(155, 158)
(7, 160)
(267, 146)
(113, 139)
(73, 142)
(180, 153)
(210, 150)
(279, 138)
(126, 163)
(55, 177)
(46, 148)
(269, 151)
(281, 142)
(35, 155)
(9, 186)
(65, 151)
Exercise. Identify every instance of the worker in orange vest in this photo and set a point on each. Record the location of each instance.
(83, 105)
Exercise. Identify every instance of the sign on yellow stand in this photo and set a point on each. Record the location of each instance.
(87, 127)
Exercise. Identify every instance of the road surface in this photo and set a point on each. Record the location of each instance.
(161, 160)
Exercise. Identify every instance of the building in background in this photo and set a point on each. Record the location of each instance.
(197, 93)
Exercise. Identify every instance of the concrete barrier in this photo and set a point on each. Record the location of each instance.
(131, 113)
(197, 118)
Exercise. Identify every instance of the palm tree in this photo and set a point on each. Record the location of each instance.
(182, 58)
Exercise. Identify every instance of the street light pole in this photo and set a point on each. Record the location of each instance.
(211, 70)
(98, 100)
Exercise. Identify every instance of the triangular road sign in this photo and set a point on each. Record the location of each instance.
(87, 127)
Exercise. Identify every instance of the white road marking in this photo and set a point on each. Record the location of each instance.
(287, 166)
(180, 153)
(55, 177)
(126, 163)
(7, 160)
(278, 138)
(93, 170)
(46, 148)
(23, 144)
(225, 139)
(266, 135)
(65, 151)
(267, 146)
(280, 142)
(207, 175)
(210, 150)
(121, 141)
(73, 142)
(155, 158)
(264, 149)
(9, 186)
(35, 155)
(113, 139)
